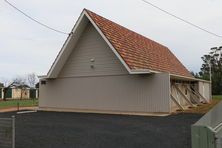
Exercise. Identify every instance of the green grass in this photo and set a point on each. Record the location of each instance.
(22, 103)
(217, 97)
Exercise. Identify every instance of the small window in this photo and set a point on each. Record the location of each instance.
(43, 82)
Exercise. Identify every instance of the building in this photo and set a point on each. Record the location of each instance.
(106, 68)
(1, 90)
(17, 91)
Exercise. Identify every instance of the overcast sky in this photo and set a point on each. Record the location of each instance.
(27, 47)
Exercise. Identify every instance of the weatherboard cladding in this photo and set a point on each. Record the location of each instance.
(92, 46)
(204, 89)
(138, 51)
(119, 93)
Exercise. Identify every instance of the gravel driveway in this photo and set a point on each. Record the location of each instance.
(80, 130)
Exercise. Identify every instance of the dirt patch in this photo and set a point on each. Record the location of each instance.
(203, 108)
(11, 109)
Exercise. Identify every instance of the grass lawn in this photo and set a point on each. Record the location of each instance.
(217, 97)
(22, 103)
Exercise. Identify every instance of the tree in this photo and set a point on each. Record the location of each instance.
(32, 79)
(196, 75)
(20, 82)
(6, 82)
(212, 65)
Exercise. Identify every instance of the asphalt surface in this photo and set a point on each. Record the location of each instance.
(79, 130)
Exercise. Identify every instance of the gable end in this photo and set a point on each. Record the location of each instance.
(91, 57)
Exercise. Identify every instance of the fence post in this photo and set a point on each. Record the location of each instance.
(13, 131)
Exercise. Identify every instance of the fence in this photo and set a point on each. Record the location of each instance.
(7, 132)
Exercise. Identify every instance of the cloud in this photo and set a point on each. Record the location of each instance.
(27, 47)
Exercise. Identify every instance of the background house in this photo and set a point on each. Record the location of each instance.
(104, 67)
(1, 90)
(16, 91)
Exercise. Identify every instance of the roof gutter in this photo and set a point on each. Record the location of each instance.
(142, 71)
(43, 77)
(189, 78)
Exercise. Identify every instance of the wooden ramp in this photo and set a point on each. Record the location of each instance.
(196, 96)
(201, 96)
(195, 99)
(183, 95)
(176, 102)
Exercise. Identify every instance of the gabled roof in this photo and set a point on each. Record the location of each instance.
(137, 53)
(18, 85)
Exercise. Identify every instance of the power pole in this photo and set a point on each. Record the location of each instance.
(210, 72)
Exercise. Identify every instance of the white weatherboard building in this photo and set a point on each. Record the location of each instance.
(106, 68)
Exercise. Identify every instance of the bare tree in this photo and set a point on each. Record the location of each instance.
(20, 82)
(5, 81)
(32, 79)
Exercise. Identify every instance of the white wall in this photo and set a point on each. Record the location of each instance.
(123, 93)
(204, 89)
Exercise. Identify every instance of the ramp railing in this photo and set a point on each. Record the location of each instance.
(207, 132)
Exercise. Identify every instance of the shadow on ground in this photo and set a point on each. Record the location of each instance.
(79, 130)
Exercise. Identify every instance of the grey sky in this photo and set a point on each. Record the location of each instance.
(27, 47)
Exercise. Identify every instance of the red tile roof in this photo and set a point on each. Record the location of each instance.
(137, 51)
